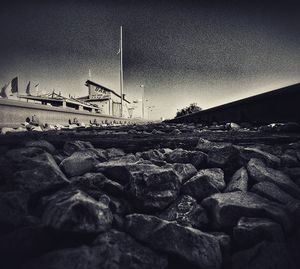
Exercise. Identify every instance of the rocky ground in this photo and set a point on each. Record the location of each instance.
(150, 196)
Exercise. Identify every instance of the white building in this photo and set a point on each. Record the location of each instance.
(108, 101)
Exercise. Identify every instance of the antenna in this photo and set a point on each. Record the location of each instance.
(90, 74)
(121, 68)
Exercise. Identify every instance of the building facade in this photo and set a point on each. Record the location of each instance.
(107, 100)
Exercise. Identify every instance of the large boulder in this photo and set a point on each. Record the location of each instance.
(252, 152)
(72, 146)
(264, 255)
(114, 153)
(272, 192)
(225, 245)
(251, 231)
(184, 170)
(239, 181)
(199, 248)
(122, 251)
(187, 212)
(289, 159)
(90, 182)
(74, 211)
(206, 145)
(43, 144)
(152, 154)
(226, 157)
(81, 162)
(36, 170)
(205, 183)
(153, 188)
(120, 170)
(259, 172)
(196, 158)
(227, 208)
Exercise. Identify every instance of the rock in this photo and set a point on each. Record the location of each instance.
(272, 192)
(152, 154)
(72, 146)
(97, 182)
(226, 157)
(233, 126)
(196, 158)
(239, 181)
(225, 245)
(74, 211)
(80, 162)
(199, 248)
(153, 188)
(120, 170)
(251, 231)
(122, 251)
(227, 208)
(43, 144)
(262, 256)
(13, 209)
(6, 130)
(157, 132)
(184, 170)
(268, 158)
(40, 172)
(187, 212)
(176, 132)
(289, 160)
(37, 129)
(24, 157)
(259, 172)
(114, 153)
(206, 145)
(292, 172)
(205, 183)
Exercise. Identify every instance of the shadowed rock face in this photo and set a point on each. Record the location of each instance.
(250, 231)
(74, 146)
(36, 170)
(193, 245)
(264, 255)
(80, 162)
(122, 251)
(135, 197)
(75, 211)
(154, 188)
(239, 181)
(187, 212)
(259, 172)
(227, 208)
(205, 183)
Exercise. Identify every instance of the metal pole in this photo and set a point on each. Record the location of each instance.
(143, 101)
(121, 68)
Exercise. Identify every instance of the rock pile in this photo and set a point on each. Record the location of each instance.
(218, 205)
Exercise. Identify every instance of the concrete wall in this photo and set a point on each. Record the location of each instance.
(13, 113)
(282, 105)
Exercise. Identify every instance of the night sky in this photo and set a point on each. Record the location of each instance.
(208, 52)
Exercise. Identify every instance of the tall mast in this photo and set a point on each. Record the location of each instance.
(121, 68)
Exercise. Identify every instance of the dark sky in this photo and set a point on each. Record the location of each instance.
(208, 52)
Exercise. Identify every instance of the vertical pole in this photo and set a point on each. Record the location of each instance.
(143, 101)
(121, 68)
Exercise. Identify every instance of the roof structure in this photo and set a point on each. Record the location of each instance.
(89, 82)
(54, 97)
